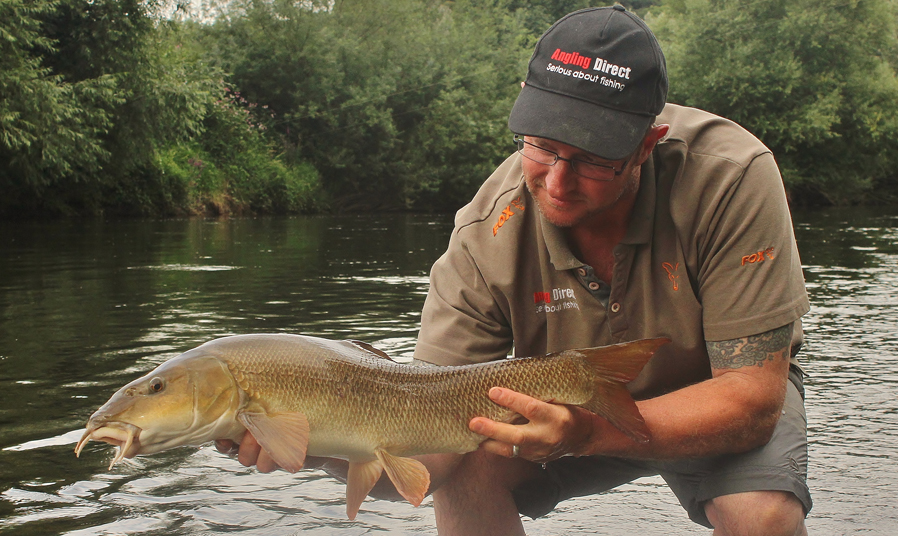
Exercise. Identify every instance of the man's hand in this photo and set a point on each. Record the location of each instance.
(250, 453)
(551, 430)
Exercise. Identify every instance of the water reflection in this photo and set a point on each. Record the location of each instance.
(86, 307)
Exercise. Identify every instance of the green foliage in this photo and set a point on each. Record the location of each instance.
(50, 128)
(814, 79)
(306, 105)
(360, 90)
(232, 168)
(97, 95)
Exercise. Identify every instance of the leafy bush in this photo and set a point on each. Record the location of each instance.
(231, 167)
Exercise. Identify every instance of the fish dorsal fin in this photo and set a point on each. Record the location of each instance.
(614, 366)
(285, 436)
(361, 478)
(368, 348)
(409, 476)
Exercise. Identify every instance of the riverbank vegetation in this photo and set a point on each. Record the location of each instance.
(147, 107)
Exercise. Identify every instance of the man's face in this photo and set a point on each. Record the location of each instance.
(566, 198)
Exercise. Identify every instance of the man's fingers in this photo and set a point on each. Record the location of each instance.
(249, 451)
(226, 446)
(506, 433)
(500, 448)
(265, 464)
(531, 408)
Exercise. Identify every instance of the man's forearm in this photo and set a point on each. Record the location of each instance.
(705, 419)
(734, 411)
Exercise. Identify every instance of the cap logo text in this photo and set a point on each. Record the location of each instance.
(612, 69)
(571, 58)
(613, 72)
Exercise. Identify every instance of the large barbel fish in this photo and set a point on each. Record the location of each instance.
(302, 395)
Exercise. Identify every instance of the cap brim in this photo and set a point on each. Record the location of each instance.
(608, 133)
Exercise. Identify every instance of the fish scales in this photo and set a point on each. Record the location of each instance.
(408, 409)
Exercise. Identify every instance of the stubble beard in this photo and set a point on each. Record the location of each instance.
(630, 188)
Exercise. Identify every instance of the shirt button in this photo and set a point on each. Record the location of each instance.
(615, 307)
(594, 286)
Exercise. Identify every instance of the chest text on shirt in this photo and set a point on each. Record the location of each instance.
(559, 299)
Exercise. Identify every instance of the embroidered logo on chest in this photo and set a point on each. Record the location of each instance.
(758, 257)
(672, 274)
(507, 213)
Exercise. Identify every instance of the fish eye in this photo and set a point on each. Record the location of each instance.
(156, 385)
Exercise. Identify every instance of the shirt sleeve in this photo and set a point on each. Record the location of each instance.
(749, 276)
(461, 323)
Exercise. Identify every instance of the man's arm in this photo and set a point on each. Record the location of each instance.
(734, 411)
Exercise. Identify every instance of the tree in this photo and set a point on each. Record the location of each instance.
(50, 128)
(369, 90)
(814, 79)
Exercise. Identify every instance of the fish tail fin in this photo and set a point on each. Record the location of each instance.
(614, 367)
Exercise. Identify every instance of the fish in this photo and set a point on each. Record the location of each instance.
(307, 396)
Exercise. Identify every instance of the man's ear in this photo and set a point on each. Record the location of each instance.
(652, 137)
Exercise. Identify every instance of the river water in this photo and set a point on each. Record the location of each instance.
(87, 306)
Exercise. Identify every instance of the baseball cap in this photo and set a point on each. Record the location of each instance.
(596, 81)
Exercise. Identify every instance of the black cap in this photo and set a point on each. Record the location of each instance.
(596, 81)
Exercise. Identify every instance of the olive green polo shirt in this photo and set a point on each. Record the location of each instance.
(709, 255)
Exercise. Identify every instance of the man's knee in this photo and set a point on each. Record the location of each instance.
(482, 469)
(767, 513)
(477, 498)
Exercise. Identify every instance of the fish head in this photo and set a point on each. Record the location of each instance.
(189, 400)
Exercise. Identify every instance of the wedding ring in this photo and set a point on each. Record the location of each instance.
(515, 451)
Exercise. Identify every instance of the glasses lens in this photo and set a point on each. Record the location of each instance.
(536, 154)
(595, 172)
(598, 172)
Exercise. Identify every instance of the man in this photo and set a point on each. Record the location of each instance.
(612, 225)
(621, 218)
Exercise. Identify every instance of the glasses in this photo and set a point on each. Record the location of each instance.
(590, 170)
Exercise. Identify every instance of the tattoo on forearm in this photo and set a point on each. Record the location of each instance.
(748, 351)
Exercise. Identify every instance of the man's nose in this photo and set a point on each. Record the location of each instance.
(561, 178)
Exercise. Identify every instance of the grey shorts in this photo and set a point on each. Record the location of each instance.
(780, 465)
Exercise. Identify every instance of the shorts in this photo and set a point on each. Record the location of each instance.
(780, 465)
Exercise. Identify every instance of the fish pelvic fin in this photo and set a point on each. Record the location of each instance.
(285, 436)
(614, 367)
(411, 478)
(361, 478)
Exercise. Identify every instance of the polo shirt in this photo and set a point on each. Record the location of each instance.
(709, 255)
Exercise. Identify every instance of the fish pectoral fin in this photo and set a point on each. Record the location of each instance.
(285, 436)
(361, 478)
(409, 476)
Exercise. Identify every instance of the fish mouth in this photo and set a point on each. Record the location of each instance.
(125, 437)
